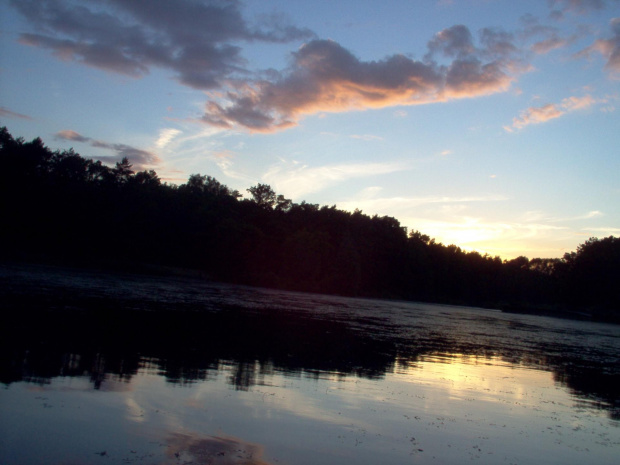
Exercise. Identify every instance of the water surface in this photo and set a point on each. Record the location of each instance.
(119, 368)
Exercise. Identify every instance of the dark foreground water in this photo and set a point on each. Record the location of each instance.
(103, 368)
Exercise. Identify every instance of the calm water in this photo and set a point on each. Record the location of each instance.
(100, 368)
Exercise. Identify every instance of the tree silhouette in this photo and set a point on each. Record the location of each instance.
(122, 170)
(61, 207)
(592, 274)
(265, 197)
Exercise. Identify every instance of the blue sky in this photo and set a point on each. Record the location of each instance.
(488, 124)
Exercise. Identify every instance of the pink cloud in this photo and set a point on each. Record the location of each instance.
(547, 45)
(538, 115)
(326, 77)
(69, 134)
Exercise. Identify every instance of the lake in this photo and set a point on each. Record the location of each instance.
(102, 368)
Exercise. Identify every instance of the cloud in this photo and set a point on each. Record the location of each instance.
(592, 214)
(547, 38)
(166, 136)
(609, 48)
(196, 40)
(141, 159)
(560, 7)
(295, 180)
(604, 231)
(451, 220)
(68, 134)
(538, 115)
(455, 41)
(366, 137)
(200, 42)
(402, 206)
(224, 161)
(326, 77)
(547, 45)
(532, 216)
(6, 113)
(369, 192)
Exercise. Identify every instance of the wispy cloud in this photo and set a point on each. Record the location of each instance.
(538, 115)
(539, 216)
(296, 180)
(604, 231)
(591, 214)
(580, 7)
(166, 136)
(224, 159)
(369, 192)
(546, 38)
(609, 48)
(547, 45)
(5, 112)
(366, 137)
(403, 206)
(141, 159)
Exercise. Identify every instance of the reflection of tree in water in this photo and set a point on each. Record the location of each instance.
(186, 344)
(592, 384)
(243, 375)
(183, 345)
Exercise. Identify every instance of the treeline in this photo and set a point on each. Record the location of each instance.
(59, 206)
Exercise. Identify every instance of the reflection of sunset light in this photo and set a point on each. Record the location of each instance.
(466, 377)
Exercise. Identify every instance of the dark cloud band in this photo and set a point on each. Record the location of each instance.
(137, 157)
(197, 40)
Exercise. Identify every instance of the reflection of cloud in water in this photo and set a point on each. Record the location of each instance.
(134, 411)
(305, 404)
(215, 450)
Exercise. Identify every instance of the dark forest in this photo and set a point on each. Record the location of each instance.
(60, 207)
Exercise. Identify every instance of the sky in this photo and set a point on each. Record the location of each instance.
(489, 124)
